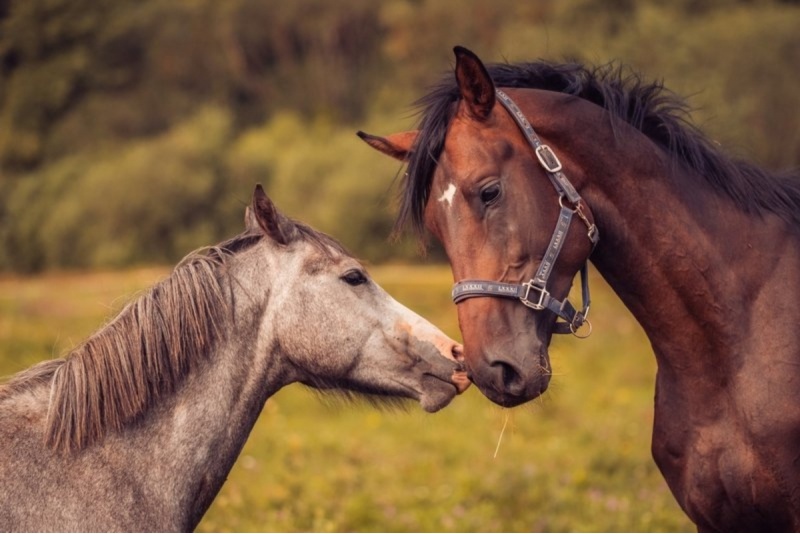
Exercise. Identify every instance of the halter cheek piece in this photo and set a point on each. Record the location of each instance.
(533, 293)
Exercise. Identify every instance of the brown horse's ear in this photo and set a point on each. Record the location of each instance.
(474, 83)
(397, 145)
(266, 216)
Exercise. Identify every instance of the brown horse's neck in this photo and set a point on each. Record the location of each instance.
(682, 257)
(715, 289)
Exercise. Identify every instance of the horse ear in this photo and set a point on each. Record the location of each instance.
(474, 83)
(250, 222)
(266, 216)
(397, 145)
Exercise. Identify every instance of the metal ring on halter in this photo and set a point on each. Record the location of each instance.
(575, 208)
(576, 330)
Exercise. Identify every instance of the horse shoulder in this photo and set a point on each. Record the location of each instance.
(23, 460)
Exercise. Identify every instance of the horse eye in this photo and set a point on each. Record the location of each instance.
(354, 277)
(490, 193)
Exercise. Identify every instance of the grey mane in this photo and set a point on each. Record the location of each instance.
(144, 353)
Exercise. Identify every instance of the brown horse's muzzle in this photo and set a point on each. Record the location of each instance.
(505, 349)
(511, 379)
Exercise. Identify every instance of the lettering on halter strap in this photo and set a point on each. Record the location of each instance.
(482, 286)
(504, 289)
(448, 194)
(471, 287)
(547, 264)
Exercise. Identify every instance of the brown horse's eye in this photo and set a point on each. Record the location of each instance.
(490, 193)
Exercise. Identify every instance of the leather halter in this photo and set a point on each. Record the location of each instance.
(534, 293)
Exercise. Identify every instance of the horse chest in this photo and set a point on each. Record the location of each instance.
(724, 478)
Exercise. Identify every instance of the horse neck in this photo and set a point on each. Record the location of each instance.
(192, 440)
(671, 247)
(174, 457)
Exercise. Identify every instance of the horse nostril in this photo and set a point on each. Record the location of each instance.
(512, 380)
(458, 352)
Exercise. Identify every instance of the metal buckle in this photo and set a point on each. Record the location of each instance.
(543, 293)
(548, 159)
(593, 234)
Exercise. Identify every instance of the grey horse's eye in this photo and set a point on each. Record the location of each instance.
(355, 277)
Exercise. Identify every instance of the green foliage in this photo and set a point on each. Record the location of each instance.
(155, 199)
(576, 460)
(105, 106)
(324, 174)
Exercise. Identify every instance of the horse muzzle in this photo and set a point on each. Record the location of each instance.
(510, 382)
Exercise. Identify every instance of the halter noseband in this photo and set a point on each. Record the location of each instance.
(534, 293)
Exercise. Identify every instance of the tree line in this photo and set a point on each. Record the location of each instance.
(134, 131)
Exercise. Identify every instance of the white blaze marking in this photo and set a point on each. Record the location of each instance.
(448, 194)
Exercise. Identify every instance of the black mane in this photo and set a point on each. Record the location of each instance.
(649, 107)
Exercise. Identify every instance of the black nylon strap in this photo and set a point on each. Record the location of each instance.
(554, 249)
(476, 288)
(481, 288)
(543, 152)
(540, 300)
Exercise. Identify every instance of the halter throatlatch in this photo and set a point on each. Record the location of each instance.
(534, 293)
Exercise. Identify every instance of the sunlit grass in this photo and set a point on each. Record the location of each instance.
(576, 460)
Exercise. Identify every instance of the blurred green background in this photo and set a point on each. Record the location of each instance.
(132, 132)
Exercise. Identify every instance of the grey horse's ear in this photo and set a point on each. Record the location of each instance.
(263, 214)
(250, 222)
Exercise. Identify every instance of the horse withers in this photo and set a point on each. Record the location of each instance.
(524, 172)
(137, 428)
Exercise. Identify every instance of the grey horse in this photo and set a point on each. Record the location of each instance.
(138, 427)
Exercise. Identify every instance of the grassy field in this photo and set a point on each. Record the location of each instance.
(577, 459)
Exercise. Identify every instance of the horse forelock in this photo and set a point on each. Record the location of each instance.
(651, 108)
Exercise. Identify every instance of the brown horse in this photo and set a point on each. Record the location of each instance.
(703, 250)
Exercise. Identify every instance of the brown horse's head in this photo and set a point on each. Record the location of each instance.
(475, 183)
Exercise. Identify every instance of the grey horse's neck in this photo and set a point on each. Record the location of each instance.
(168, 464)
(190, 443)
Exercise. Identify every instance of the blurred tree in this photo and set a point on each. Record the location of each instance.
(134, 130)
(79, 71)
(153, 200)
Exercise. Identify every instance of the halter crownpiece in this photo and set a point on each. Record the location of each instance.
(534, 293)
